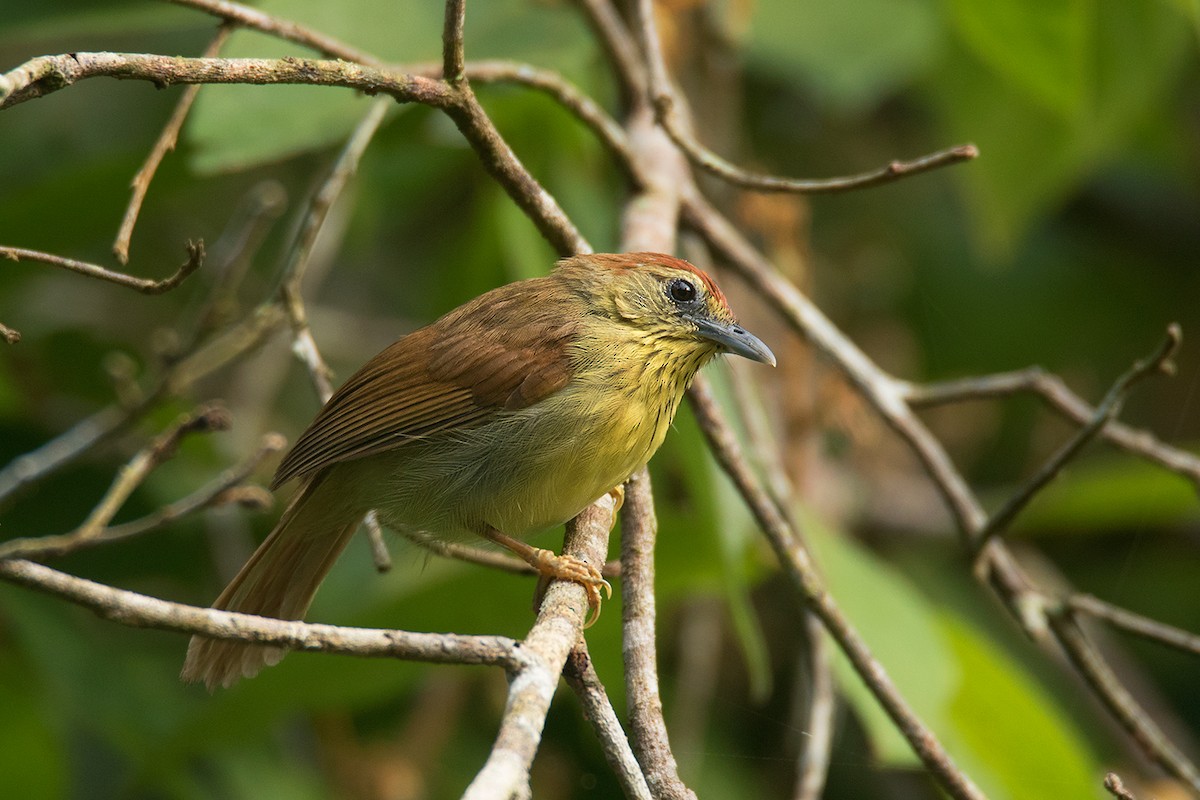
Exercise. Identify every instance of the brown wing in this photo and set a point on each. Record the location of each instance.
(506, 349)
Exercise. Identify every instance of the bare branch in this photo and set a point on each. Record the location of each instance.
(620, 48)
(139, 611)
(639, 529)
(47, 74)
(208, 419)
(1112, 782)
(817, 733)
(453, 60)
(582, 677)
(1120, 703)
(544, 651)
(9, 335)
(669, 116)
(524, 190)
(798, 565)
(607, 130)
(1108, 409)
(248, 17)
(163, 145)
(1133, 623)
(195, 259)
(886, 396)
(1056, 395)
(225, 488)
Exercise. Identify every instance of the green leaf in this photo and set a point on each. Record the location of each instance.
(903, 633)
(996, 721)
(1037, 145)
(852, 53)
(1113, 494)
(27, 735)
(1043, 47)
(236, 127)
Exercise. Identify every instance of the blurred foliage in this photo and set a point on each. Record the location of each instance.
(1071, 243)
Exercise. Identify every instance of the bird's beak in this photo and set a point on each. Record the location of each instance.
(735, 340)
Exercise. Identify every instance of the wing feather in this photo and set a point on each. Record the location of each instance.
(456, 373)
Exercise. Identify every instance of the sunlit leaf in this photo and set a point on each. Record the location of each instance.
(851, 53)
(1043, 47)
(994, 719)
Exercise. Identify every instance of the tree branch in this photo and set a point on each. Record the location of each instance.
(140, 611)
(195, 259)
(163, 145)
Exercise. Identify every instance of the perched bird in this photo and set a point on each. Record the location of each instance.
(507, 416)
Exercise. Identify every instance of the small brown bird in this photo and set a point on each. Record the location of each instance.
(506, 416)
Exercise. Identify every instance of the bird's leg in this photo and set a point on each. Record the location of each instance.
(552, 566)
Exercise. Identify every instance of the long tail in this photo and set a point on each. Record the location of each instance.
(278, 581)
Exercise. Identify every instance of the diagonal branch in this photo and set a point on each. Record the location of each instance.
(1051, 389)
(1147, 628)
(544, 652)
(211, 418)
(195, 259)
(285, 29)
(1108, 409)
(582, 677)
(800, 569)
(164, 144)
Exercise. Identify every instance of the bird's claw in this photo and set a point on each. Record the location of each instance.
(569, 568)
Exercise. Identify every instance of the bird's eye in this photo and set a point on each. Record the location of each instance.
(682, 290)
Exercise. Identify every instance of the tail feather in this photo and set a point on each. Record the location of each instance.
(280, 581)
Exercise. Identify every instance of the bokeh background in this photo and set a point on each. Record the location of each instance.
(1070, 243)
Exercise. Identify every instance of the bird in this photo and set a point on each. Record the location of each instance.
(505, 417)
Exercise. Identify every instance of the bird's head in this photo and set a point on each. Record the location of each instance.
(666, 300)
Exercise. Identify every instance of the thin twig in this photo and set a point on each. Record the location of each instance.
(504, 166)
(817, 733)
(231, 345)
(195, 251)
(248, 17)
(886, 396)
(597, 708)
(298, 255)
(225, 488)
(453, 60)
(639, 529)
(1130, 622)
(163, 145)
(1051, 389)
(669, 116)
(1121, 704)
(141, 611)
(1112, 782)
(620, 48)
(493, 559)
(1108, 409)
(798, 565)
(381, 557)
(606, 129)
(128, 479)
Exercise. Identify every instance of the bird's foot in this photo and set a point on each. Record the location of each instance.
(553, 566)
(618, 495)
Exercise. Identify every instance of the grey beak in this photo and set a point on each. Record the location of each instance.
(735, 340)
